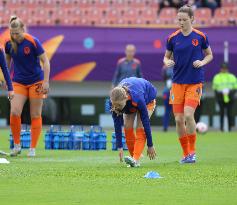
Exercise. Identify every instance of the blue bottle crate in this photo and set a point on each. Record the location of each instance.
(97, 138)
(114, 145)
(25, 137)
(48, 140)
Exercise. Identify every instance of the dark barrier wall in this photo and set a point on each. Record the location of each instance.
(80, 53)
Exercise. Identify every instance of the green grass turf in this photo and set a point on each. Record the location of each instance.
(96, 177)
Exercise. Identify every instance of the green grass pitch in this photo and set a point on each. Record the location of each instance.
(97, 177)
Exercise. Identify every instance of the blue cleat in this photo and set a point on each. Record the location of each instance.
(188, 159)
(193, 157)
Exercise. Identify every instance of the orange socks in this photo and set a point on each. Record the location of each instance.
(15, 124)
(192, 142)
(139, 143)
(130, 139)
(36, 127)
(184, 142)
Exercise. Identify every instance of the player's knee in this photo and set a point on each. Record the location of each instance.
(179, 121)
(188, 116)
(15, 111)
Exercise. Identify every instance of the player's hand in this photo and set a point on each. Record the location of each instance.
(120, 154)
(45, 87)
(10, 95)
(169, 63)
(151, 152)
(197, 64)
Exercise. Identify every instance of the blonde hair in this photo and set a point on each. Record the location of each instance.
(15, 23)
(118, 93)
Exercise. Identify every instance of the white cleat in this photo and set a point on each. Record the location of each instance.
(131, 162)
(16, 150)
(31, 152)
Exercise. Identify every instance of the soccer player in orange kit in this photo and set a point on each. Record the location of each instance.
(30, 80)
(187, 50)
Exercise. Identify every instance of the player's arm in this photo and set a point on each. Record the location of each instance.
(147, 128)
(46, 67)
(168, 59)
(207, 59)
(6, 75)
(139, 71)
(118, 122)
(8, 60)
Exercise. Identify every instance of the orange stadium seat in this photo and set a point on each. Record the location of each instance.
(149, 15)
(229, 3)
(202, 16)
(224, 16)
(167, 16)
(130, 16)
(112, 16)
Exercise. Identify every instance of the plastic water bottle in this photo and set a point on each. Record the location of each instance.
(56, 141)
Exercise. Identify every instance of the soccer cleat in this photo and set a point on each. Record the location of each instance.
(16, 150)
(131, 162)
(193, 157)
(31, 152)
(187, 160)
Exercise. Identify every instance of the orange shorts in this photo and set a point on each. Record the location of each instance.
(30, 91)
(185, 95)
(151, 107)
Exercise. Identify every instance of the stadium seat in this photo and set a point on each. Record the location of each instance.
(149, 16)
(224, 16)
(167, 16)
(112, 16)
(202, 16)
(229, 3)
(130, 16)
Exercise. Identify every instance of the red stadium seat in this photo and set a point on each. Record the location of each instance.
(229, 3)
(202, 16)
(112, 16)
(149, 16)
(130, 16)
(224, 16)
(167, 16)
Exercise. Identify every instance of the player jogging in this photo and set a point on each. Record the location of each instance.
(187, 50)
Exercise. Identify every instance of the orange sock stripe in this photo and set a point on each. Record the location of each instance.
(130, 139)
(36, 127)
(184, 144)
(192, 142)
(139, 143)
(15, 124)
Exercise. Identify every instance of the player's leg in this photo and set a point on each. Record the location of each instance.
(129, 131)
(140, 134)
(36, 104)
(177, 97)
(192, 100)
(17, 104)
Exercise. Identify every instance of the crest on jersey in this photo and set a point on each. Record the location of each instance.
(195, 42)
(26, 50)
(134, 66)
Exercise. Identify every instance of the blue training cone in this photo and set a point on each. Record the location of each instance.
(152, 175)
